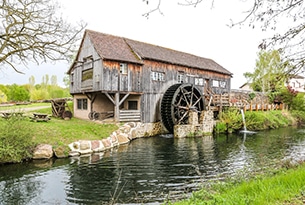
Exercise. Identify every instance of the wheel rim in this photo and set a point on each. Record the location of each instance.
(177, 102)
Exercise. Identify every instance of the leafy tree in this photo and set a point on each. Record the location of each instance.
(67, 81)
(3, 97)
(54, 80)
(32, 81)
(18, 93)
(39, 94)
(34, 31)
(269, 74)
(268, 14)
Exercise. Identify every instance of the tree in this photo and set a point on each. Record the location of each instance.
(33, 31)
(53, 80)
(269, 74)
(18, 93)
(268, 14)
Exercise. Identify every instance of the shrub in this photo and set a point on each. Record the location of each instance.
(232, 119)
(220, 127)
(15, 140)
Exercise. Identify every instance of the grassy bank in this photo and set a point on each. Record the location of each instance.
(230, 120)
(19, 133)
(282, 187)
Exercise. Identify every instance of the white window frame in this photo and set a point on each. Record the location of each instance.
(215, 83)
(124, 68)
(157, 76)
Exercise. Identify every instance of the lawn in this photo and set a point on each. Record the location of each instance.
(58, 131)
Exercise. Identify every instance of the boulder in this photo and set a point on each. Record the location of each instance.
(43, 151)
(61, 152)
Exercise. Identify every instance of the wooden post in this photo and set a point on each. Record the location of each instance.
(117, 106)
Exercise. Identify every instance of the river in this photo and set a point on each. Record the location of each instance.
(148, 170)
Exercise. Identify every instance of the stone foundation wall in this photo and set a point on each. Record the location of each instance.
(202, 127)
(126, 133)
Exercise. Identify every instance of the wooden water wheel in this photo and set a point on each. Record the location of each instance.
(176, 103)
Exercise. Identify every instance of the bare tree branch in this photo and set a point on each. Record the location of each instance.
(268, 15)
(32, 30)
(157, 8)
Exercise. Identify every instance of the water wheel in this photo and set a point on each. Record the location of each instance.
(176, 103)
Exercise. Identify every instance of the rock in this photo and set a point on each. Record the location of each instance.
(43, 151)
(123, 138)
(84, 145)
(107, 143)
(61, 152)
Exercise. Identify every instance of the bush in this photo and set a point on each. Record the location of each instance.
(258, 120)
(15, 140)
(232, 119)
(298, 102)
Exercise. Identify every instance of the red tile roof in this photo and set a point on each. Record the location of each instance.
(123, 49)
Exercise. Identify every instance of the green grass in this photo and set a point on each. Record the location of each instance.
(284, 187)
(58, 131)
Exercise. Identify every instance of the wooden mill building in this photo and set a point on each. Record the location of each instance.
(126, 79)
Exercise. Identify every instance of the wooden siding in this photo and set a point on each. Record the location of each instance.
(137, 82)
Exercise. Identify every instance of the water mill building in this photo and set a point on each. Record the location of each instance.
(128, 80)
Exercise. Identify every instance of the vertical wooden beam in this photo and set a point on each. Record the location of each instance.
(117, 106)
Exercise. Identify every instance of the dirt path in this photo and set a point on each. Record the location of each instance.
(26, 109)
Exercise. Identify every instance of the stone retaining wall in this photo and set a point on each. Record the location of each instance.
(127, 132)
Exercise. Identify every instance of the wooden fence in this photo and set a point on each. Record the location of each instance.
(218, 102)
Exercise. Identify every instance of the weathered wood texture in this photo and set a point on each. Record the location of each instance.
(103, 77)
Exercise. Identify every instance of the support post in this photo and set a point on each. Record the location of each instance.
(117, 106)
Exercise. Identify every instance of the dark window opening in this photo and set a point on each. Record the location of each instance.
(132, 105)
(82, 104)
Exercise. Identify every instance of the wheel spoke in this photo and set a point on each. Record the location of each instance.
(185, 115)
(185, 97)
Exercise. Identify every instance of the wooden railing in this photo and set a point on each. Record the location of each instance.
(263, 107)
(216, 102)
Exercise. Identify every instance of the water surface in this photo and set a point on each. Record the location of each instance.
(148, 170)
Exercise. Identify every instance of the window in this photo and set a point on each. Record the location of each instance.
(215, 83)
(132, 105)
(82, 104)
(222, 84)
(157, 76)
(199, 81)
(88, 63)
(87, 74)
(123, 68)
(180, 77)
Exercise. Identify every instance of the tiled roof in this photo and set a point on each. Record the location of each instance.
(119, 48)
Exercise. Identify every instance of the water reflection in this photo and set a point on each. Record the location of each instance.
(148, 170)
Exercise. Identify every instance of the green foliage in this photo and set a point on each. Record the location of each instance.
(220, 127)
(269, 74)
(298, 102)
(299, 116)
(3, 97)
(269, 189)
(232, 119)
(252, 95)
(39, 94)
(15, 140)
(18, 93)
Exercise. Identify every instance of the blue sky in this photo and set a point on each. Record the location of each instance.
(201, 31)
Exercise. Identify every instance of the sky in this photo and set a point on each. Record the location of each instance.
(202, 30)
